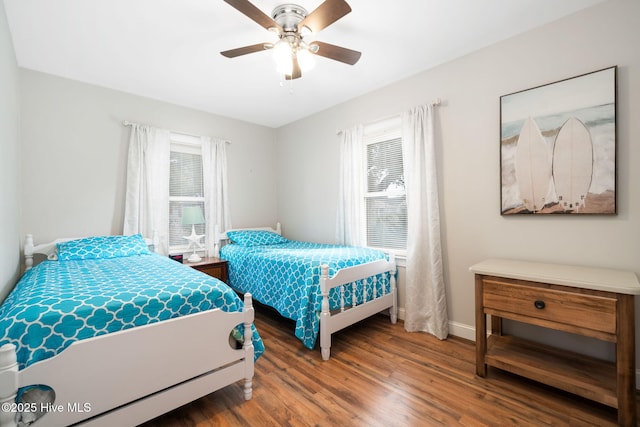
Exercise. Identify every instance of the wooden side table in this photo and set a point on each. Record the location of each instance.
(214, 267)
(597, 303)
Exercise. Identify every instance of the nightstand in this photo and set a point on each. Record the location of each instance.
(214, 267)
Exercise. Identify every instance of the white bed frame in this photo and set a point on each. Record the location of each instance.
(128, 377)
(331, 322)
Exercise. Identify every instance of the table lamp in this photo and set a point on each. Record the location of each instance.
(192, 215)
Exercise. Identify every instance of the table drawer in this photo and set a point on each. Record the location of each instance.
(594, 312)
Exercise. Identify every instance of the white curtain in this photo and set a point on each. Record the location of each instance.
(351, 190)
(425, 300)
(147, 194)
(216, 205)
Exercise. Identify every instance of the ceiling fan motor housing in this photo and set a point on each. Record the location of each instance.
(288, 16)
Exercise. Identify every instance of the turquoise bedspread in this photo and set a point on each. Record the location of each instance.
(286, 276)
(59, 302)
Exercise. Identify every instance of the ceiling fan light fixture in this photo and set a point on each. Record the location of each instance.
(285, 68)
(306, 59)
(283, 56)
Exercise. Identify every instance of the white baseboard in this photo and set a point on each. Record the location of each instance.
(463, 331)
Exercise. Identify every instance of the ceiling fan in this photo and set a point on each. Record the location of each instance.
(292, 23)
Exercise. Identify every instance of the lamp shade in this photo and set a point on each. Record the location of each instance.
(283, 56)
(192, 215)
(306, 59)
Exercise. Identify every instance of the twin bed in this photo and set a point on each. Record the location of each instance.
(105, 332)
(323, 288)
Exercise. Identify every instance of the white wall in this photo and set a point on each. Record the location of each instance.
(468, 152)
(74, 145)
(9, 143)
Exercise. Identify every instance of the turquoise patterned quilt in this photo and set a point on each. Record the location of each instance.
(286, 276)
(59, 302)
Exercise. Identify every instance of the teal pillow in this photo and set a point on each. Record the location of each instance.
(255, 237)
(102, 247)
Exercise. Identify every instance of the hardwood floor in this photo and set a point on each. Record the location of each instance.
(380, 375)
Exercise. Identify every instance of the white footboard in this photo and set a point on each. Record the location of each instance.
(134, 375)
(330, 323)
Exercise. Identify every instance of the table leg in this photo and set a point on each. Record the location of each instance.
(625, 361)
(481, 330)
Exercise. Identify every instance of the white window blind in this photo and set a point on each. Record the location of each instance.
(186, 188)
(385, 198)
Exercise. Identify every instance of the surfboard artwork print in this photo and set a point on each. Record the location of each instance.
(558, 147)
(533, 166)
(572, 165)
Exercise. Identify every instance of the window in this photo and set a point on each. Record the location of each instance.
(385, 197)
(186, 188)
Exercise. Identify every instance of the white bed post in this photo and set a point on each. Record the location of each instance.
(216, 241)
(248, 346)
(325, 333)
(28, 251)
(393, 310)
(8, 384)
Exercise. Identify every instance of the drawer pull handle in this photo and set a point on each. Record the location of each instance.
(539, 304)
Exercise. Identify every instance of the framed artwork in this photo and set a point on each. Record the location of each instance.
(558, 147)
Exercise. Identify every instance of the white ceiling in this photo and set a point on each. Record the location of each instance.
(169, 49)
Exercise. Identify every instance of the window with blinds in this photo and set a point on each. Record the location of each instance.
(186, 188)
(385, 198)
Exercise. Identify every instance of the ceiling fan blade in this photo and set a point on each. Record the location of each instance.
(326, 14)
(247, 8)
(232, 53)
(336, 53)
(296, 73)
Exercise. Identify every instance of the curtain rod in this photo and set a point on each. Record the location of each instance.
(128, 123)
(435, 103)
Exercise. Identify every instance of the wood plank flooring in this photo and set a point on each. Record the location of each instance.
(380, 375)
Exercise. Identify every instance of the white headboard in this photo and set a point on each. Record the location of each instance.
(221, 236)
(49, 249)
